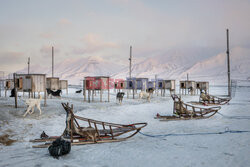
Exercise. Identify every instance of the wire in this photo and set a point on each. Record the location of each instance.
(227, 130)
(234, 117)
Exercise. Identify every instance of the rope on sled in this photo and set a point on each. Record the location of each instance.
(234, 117)
(227, 130)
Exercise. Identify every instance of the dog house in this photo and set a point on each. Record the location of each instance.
(119, 84)
(52, 83)
(142, 83)
(135, 84)
(9, 85)
(151, 84)
(160, 84)
(202, 86)
(189, 87)
(96, 83)
(169, 85)
(63, 84)
(31, 83)
(131, 83)
(2, 85)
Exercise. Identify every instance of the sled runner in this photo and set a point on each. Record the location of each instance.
(93, 132)
(206, 99)
(183, 111)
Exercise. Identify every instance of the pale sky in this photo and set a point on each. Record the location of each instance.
(106, 28)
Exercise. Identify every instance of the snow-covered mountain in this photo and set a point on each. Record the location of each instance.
(199, 64)
(215, 68)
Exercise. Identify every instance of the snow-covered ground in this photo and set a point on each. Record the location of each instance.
(196, 148)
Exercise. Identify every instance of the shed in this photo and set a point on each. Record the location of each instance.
(2, 85)
(96, 83)
(160, 84)
(9, 85)
(142, 83)
(169, 85)
(202, 86)
(119, 84)
(31, 83)
(131, 83)
(63, 84)
(188, 87)
(52, 83)
(151, 84)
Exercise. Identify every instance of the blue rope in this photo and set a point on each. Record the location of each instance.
(234, 117)
(193, 134)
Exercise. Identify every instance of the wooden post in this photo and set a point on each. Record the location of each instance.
(29, 65)
(45, 92)
(1, 89)
(180, 89)
(14, 76)
(92, 95)
(185, 87)
(108, 91)
(84, 87)
(52, 61)
(130, 62)
(228, 66)
(89, 95)
(101, 95)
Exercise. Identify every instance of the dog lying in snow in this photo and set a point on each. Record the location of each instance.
(79, 91)
(144, 95)
(56, 93)
(32, 103)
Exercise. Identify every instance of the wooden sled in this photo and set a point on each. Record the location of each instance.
(93, 132)
(208, 100)
(183, 111)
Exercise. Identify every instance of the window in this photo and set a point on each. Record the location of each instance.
(160, 84)
(130, 84)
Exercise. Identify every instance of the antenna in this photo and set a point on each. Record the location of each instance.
(130, 61)
(52, 61)
(29, 65)
(228, 66)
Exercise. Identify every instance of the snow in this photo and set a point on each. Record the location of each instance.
(229, 149)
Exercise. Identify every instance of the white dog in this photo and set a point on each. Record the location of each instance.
(32, 103)
(144, 95)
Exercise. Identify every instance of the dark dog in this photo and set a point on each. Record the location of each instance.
(150, 90)
(54, 93)
(119, 96)
(78, 91)
(12, 93)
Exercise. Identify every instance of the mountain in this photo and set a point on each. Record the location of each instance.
(75, 70)
(215, 68)
(200, 64)
(170, 64)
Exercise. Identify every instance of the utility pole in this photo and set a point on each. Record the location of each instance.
(29, 65)
(228, 66)
(130, 62)
(15, 89)
(52, 61)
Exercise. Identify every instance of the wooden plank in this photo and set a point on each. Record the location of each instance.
(80, 143)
